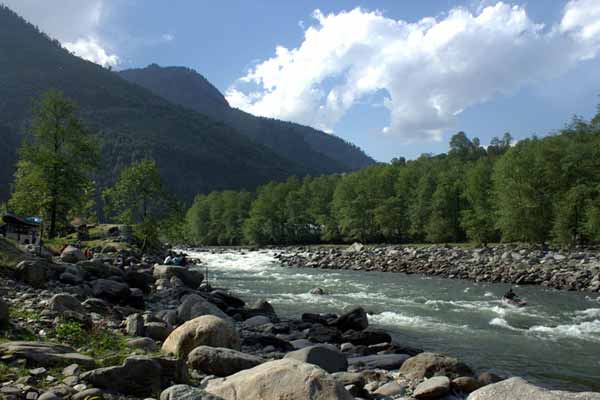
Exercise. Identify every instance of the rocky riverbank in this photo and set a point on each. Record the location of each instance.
(121, 326)
(567, 270)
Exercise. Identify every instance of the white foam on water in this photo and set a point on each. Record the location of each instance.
(489, 294)
(390, 318)
(588, 330)
(590, 313)
(501, 322)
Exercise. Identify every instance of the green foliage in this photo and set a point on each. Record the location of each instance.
(98, 342)
(538, 190)
(53, 173)
(137, 195)
(478, 218)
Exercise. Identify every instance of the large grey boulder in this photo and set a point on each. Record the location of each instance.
(519, 388)
(324, 356)
(45, 354)
(110, 290)
(220, 361)
(207, 330)
(62, 302)
(379, 361)
(134, 325)
(190, 277)
(35, 273)
(138, 376)
(98, 269)
(287, 379)
(186, 392)
(434, 387)
(196, 306)
(71, 254)
(355, 319)
(426, 365)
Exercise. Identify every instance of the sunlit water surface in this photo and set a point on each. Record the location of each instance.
(554, 341)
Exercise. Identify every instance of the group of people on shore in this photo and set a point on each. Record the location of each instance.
(174, 258)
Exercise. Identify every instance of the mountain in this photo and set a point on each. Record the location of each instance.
(195, 153)
(301, 144)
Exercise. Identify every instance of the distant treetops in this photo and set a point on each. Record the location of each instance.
(536, 190)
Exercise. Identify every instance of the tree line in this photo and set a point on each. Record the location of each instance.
(536, 190)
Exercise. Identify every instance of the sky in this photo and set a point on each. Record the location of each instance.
(397, 78)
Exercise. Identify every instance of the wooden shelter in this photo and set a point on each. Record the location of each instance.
(25, 230)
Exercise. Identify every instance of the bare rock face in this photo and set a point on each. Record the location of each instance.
(207, 330)
(282, 379)
(4, 318)
(518, 388)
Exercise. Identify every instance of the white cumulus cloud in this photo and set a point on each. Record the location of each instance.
(89, 49)
(75, 23)
(431, 70)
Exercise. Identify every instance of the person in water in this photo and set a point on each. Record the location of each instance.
(510, 295)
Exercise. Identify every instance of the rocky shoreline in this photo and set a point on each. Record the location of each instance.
(121, 326)
(578, 269)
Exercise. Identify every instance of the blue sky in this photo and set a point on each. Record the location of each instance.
(479, 81)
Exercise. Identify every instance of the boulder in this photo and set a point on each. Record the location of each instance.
(186, 392)
(196, 306)
(518, 388)
(157, 330)
(110, 290)
(142, 343)
(487, 378)
(434, 387)
(98, 269)
(392, 388)
(324, 334)
(138, 376)
(257, 321)
(426, 365)
(221, 361)
(324, 356)
(191, 278)
(207, 330)
(35, 273)
(355, 319)
(379, 361)
(62, 302)
(227, 298)
(45, 354)
(465, 384)
(71, 254)
(134, 325)
(261, 341)
(282, 379)
(367, 337)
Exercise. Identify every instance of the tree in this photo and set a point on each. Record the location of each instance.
(478, 218)
(138, 197)
(53, 173)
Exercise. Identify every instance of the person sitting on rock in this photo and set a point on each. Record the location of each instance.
(510, 295)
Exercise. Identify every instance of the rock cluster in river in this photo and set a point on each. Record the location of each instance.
(187, 340)
(578, 269)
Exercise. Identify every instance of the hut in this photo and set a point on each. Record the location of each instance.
(25, 230)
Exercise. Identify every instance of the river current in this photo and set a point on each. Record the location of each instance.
(554, 341)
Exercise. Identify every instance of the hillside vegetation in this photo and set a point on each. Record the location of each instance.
(194, 152)
(318, 151)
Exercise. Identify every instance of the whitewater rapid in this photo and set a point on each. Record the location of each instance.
(555, 340)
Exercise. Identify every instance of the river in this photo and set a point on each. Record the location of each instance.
(553, 342)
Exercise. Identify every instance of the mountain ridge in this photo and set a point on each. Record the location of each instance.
(299, 143)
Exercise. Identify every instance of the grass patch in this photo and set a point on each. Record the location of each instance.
(17, 313)
(104, 345)
(10, 255)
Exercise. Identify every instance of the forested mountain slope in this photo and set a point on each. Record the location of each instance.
(194, 152)
(301, 144)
